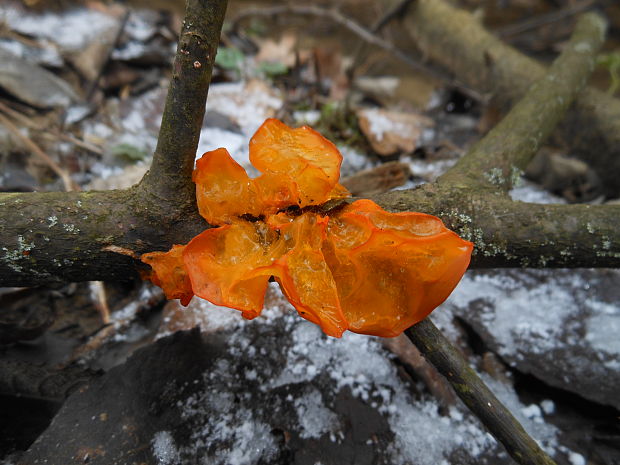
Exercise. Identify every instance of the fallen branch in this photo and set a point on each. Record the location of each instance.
(560, 235)
(455, 40)
(92, 233)
(499, 158)
(476, 395)
(511, 144)
(58, 237)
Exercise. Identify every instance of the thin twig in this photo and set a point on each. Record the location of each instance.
(337, 17)
(391, 14)
(37, 151)
(121, 28)
(542, 20)
(476, 395)
(78, 142)
(383, 21)
(169, 178)
(23, 119)
(455, 39)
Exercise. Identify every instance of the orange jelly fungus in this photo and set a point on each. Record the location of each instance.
(359, 268)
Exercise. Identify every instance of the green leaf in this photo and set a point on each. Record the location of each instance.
(229, 58)
(273, 68)
(128, 153)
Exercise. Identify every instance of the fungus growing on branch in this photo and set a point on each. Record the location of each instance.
(359, 268)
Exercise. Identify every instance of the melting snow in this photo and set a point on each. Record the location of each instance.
(519, 313)
(576, 459)
(236, 144)
(555, 325)
(603, 332)
(353, 161)
(380, 124)
(248, 104)
(230, 430)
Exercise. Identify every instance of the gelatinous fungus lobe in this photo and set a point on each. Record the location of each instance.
(304, 276)
(361, 268)
(391, 270)
(300, 159)
(224, 191)
(168, 272)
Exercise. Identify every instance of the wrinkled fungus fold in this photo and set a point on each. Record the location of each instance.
(358, 268)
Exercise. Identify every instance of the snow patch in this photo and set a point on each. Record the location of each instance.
(529, 192)
(215, 138)
(225, 433)
(603, 330)
(164, 449)
(246, 104)
(576, 459)
(538, 315)
(380, 124)
(314, 418)
(72, 31)
(353, 161)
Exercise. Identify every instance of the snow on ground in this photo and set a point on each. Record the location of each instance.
(303, 373)
(164, 448)
(248, 104)
(527, 191)
(560, 325)
(298, 369)
(71, 30)
(353, 161)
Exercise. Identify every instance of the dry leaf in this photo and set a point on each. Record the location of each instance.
(391, 132)
(378, 179)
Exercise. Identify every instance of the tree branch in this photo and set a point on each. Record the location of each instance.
(505, 152)
(169, 177)
(507, 233)
(88, 236)
(454, 39)
(475, 394)
(52, 237)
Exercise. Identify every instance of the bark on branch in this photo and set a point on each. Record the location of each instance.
(507, 233)
(94, 235)
(56, 237)
(169, 177)
(471, 198)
